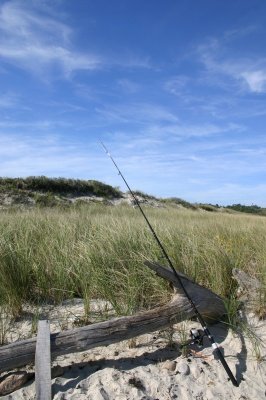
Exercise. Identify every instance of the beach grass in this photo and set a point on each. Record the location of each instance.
(97, 251)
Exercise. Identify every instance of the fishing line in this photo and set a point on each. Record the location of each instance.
(216, 350)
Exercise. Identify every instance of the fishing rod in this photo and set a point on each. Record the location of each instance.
(216, 350)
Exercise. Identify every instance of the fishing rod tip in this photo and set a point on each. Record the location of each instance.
(102, 144)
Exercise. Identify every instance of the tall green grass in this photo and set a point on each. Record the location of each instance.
(97, 251)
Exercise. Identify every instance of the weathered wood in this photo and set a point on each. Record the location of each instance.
(104, 333)
(248, 287)
(43, 381)
(209, 304)
(251, 293)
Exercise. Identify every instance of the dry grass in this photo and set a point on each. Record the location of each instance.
(98, 251)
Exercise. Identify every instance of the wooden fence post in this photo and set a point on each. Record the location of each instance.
(43, 362)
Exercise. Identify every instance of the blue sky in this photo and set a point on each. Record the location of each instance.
(175, 89)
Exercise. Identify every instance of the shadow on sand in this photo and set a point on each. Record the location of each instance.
(73, 375)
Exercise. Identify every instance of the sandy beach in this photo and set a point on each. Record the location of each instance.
(151, 366)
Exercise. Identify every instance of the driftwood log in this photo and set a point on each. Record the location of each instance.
(250, 293)
(211, 306)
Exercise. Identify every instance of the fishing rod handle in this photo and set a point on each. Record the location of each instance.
(219, 354)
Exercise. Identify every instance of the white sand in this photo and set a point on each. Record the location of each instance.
(147, 368)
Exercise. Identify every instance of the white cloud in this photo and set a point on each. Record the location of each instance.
(256, 80)
(32, 38)
(23, 21)
(219, 59)
(35, 42)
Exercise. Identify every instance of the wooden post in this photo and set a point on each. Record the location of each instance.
(43, 362)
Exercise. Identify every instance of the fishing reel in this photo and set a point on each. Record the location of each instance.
(196, 336)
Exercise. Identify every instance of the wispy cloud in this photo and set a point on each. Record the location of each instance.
(129, 86)
(187, 129)
(194, 169)
(8, 100)
(182, 131)
(35, 42)
(138, 113)
(131, 61)
(36, 125)
(214, 168)
(256, 80)
(46, 155)
(32, 38)
(247, 69)
(177, 84)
